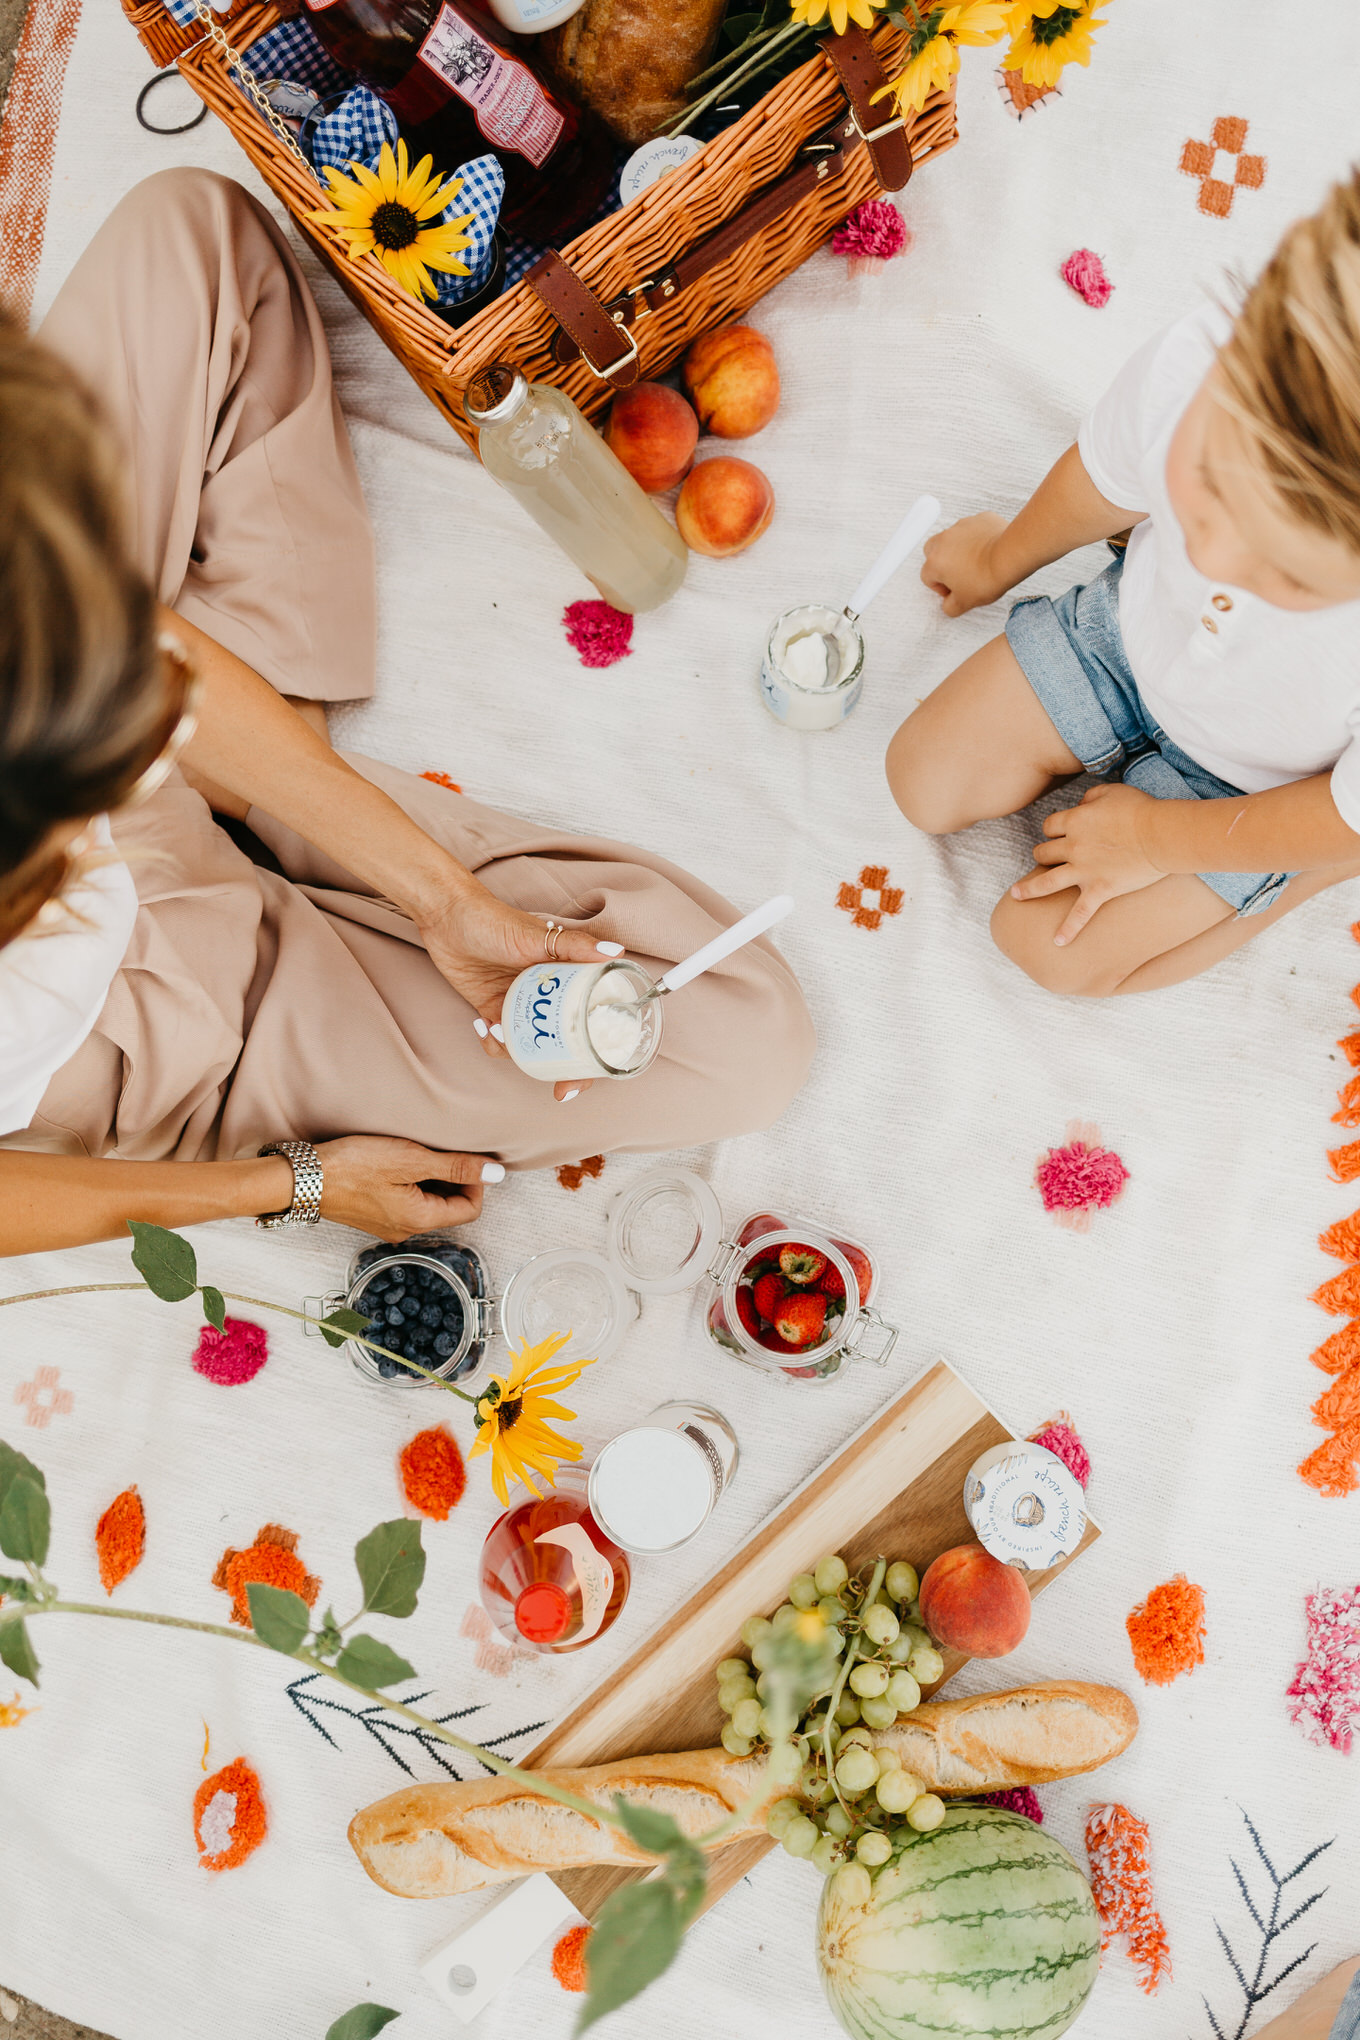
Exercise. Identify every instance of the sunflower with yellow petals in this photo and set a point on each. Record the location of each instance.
(862, 12)
(511, 1414)
(932, 47)
(384, 212)
(1047, 36)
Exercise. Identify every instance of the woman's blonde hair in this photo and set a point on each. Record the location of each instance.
(82, 697)
(1291, 368)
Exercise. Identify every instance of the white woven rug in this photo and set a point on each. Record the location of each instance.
(1177, 1331)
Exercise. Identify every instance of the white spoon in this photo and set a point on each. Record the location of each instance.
(736, 937)
(904, 541)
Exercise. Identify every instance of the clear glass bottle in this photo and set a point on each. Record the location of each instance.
(550, 1579)
(539, 447)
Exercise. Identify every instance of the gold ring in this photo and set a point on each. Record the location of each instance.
(550, 935)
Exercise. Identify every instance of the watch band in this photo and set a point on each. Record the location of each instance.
(308, 1183)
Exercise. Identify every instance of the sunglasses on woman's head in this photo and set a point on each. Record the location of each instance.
(35, 896)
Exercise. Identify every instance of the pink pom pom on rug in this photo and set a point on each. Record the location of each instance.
(1059, 1436)
(600, 634)
(1080, 1177)
(1324, 1699)
(873, 232)
(1020, 1799)
(1084, 272)
(231, 1356)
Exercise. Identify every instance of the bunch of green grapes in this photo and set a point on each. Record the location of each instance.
(850, 1795)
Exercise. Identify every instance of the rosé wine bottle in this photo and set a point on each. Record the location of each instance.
(550, 1579)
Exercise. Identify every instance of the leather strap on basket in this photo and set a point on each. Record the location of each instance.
(601, 333)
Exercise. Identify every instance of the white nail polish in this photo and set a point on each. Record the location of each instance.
(567, 1097)
(610, 948)
(479, 1027)
(498, 1033)
(493, 1172)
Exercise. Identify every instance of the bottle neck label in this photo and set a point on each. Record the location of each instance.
(594, 1574)
(509, 105)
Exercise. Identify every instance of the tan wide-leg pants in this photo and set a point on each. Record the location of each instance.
(253, 1006)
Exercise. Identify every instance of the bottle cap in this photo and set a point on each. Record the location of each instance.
(495, 393)
(651, 162)
(542, 1612)
(1025, 1507)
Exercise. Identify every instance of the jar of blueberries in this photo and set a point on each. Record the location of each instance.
(428, 1301)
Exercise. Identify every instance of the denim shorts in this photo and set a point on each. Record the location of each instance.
(1072, 654)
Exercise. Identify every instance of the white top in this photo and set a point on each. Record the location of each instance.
(1257, 695)
(54, 981)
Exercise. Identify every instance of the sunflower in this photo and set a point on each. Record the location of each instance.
(932, 48)
(861, 12)
(511, 1414)
(384, 211)
(1046, 36)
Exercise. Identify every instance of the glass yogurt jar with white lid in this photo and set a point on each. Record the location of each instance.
(653, 1487)
(563, 1022)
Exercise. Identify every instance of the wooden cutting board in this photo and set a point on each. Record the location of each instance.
(896, 1491)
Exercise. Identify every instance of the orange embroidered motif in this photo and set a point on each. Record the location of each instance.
(229, 1816)
(41, 1399)
(1341, 1350)
(571, 1175)
(1167, 1631)
(1017, 97)
(432, 1473)
(569, 1958)
(120, 1538)
(1343, 1238)
(442, 779)
(272, 1559)
(1121, 1885)
(12, 1712)
(872, 898)
(1221, 167)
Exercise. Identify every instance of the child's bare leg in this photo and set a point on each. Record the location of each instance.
(1144, 940)
(1311, 2017)
(979, 746)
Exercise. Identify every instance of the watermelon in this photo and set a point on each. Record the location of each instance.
(984, 1927)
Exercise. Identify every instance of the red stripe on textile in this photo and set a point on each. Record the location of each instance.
(27, 138)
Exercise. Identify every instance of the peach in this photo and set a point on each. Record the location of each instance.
(732, 381)
(975, 1603)
(724, 506)
(654, 433)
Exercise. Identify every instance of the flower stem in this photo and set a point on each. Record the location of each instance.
(769, 49)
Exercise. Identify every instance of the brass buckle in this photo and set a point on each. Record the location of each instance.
(625, 361)
(889, 127)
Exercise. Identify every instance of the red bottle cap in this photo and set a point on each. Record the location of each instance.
(542, 1612)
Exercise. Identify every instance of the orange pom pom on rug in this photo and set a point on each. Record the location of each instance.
(120, 1538)
(1167, 1631)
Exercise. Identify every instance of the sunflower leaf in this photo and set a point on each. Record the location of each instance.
(13, 1589)
(16, 1651)
(342, 1325)
(13, 1465)
(166, 1263)
(635, 1939)
(25, 1521)
(361, 2022)
(279, 1618)
(214, 1307)
(370, 1663)
(391, 1563)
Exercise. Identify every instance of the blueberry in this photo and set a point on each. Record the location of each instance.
(419, 1340)
(453, 1321)
(394, 1314)
(387, 1368)
(410, 1307)
(431, 1316)
(444, 1344)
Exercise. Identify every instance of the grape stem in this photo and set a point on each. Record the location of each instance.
(847, 1666)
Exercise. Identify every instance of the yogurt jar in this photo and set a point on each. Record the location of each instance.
(1025, 1506)
(794, 682)
(654, 1487)
(566, 1021)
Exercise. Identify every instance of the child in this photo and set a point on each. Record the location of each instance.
(1210, 678)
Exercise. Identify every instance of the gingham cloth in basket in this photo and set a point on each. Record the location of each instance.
(355, 130)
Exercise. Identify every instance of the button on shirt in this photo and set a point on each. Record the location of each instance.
(1257, 695)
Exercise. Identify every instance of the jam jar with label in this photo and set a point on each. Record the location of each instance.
(550, 1579)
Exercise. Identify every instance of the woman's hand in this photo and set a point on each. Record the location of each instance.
(393, 1188)
(1100, 847)
(480, 945)
(960, 563)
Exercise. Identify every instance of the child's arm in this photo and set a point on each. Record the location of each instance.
(1119, 839)
(979, 558)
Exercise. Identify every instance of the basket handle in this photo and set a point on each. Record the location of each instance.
(600, 333)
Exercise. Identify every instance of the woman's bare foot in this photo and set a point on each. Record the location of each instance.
(1312, 2016)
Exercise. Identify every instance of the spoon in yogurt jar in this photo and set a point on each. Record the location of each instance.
(731, 939)
(814, 657)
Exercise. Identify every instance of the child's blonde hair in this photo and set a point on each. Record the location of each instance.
(1292, 367)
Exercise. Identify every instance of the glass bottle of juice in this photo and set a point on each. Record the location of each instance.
(539, 447)
(550, 1579)
(457, 92)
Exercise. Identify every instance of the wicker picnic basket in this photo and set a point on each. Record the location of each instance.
(617, 258)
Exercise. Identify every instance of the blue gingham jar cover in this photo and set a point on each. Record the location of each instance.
(354, 131)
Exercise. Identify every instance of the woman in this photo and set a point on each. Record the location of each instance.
(185, 576)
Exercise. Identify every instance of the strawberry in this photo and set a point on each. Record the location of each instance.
(756, 1228)
(746, 1311)
(769, 1294)
(772, 1342)
(832, 1284)
(801, 1264)
(862, 1265)
(801, 1318)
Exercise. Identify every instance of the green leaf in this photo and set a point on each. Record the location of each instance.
(370, 1663)
(342, 1325)
(16, 1651)
(391, 1564)
(278, 1618)
(658, 1833)
(12, 1589)
(635, 1939)
(361, 2022)
(12, 1464)
(214, 1307)
(25, 1521)
(166, 1263)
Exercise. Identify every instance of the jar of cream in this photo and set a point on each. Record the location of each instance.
(804, 684)
(565, 1021)
(1025, 1506)
(653, 1488)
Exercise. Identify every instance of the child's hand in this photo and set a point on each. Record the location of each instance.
(1099, 847)
(960, 563)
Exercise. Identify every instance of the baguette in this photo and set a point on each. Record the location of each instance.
(429, 1841)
